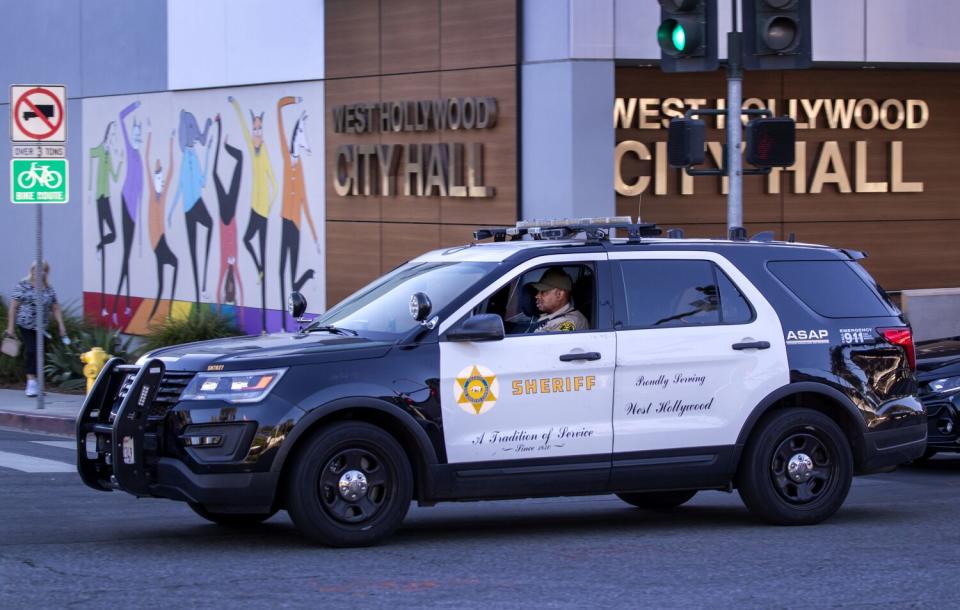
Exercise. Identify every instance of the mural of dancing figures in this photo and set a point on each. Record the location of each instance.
(129, 135)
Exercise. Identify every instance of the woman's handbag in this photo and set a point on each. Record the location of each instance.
(10, 346)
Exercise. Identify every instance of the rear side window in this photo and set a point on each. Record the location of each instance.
(671, 293)
(833, 289)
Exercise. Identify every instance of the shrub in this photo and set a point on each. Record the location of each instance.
(63, 366)
(201, 325)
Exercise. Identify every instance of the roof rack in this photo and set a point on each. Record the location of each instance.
(595, 229)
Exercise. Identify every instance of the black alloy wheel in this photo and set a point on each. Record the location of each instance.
(350, 485)
(802, 468)
(797, 468)
(236, 520)
(657, 500)
(353, 485)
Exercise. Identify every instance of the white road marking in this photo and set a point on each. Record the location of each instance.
(61, 444)
(25, 463)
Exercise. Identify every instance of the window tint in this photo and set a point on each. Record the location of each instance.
(734, 307)
(669, 293)
(830, 288)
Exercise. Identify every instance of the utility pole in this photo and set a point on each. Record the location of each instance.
(734, 126)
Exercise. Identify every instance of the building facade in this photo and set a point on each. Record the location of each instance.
(223, 153)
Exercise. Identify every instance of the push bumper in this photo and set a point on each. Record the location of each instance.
(120, 446)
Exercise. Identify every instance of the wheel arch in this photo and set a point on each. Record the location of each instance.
(399, 424)
(819, 397)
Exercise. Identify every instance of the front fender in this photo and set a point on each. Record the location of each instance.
(427, 454)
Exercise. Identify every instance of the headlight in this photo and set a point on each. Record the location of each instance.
(947, 385)
(233, 386)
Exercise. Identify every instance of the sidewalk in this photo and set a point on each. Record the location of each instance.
(57, 417)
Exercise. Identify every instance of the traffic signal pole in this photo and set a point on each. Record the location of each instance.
(734, 126)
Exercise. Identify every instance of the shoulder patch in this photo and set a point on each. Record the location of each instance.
(568, 325)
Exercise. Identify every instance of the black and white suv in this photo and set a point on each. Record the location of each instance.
(778, 369)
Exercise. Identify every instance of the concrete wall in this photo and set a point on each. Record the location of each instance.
(216, 43)
(858, 31)
(94, 47)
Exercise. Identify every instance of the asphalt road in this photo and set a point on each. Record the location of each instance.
(896, 543)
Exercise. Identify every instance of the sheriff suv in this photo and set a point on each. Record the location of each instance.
(777, 369)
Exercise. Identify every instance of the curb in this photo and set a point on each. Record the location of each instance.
(34, 422)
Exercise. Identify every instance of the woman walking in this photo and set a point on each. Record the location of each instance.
(23, 312)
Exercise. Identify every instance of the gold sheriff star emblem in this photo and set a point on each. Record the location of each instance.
(476, 389)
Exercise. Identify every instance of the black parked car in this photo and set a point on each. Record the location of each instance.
(938, 372)
(661, 368)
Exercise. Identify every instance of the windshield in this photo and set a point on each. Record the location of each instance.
(381, 309)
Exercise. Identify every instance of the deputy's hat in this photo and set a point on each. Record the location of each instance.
(554, 277)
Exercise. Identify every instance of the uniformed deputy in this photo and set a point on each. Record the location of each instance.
(553, 299)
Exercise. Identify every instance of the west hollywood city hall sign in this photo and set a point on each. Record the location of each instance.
(413, 170)
(817, 165)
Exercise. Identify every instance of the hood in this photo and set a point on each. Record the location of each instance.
(264, 351)
(938, 358)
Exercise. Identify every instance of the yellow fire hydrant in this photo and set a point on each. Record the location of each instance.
(93, 362)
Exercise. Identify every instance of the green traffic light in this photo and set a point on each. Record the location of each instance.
(674, 38)
(679, 37)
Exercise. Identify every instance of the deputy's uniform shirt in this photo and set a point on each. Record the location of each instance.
(564, 319)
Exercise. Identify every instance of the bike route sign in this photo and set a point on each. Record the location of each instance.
(39, 181)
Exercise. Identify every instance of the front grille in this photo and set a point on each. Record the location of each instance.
(171, 387)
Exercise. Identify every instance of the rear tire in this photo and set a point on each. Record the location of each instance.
(797, 468)
(350, 486)
(238, 520)
(657, 500)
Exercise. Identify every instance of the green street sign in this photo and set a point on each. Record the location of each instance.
(39, 181)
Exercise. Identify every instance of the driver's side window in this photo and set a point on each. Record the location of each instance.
(517, 304)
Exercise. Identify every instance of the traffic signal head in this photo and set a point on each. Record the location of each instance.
(770, 142)
(688, 35)
(685, 142)
(776, 34)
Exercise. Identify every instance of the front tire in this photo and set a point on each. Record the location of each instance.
(797, 468)
(350, 486)
(657, 500)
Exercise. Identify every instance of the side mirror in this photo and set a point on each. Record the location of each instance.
(296, 305)
(420, 306)
(481, 327)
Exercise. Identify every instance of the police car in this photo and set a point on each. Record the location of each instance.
(777, 369)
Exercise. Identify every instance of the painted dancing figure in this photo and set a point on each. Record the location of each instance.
(105, 175)
(263, 192)
(130, 199)
(229, 281)
(193, 177)
(294, 199)
(158, 199)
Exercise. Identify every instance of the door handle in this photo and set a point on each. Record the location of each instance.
(580, 356)
(752, 345)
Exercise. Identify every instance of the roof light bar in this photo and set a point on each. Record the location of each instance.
(594, 228)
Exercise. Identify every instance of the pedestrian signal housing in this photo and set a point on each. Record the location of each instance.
(685, 142)
(770, 142)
